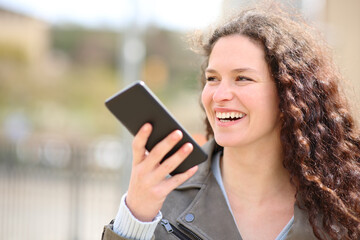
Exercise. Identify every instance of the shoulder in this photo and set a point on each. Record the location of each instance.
(301, 228)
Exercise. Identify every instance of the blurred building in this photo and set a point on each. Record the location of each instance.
(23, 39)
(342, 19)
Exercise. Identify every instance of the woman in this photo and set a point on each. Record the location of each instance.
(283, 150)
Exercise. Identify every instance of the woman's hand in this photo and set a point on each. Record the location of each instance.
(149, 184)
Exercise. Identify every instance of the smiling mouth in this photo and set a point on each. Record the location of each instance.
(229, 116)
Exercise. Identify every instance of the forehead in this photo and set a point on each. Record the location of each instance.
(237, 51)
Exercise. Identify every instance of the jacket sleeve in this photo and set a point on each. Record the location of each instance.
(127, 226)
(109, 234)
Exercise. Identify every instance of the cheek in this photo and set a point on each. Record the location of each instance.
(272, 99)
(206, 100)
(264, 101)
(205, 97)
(270, 105)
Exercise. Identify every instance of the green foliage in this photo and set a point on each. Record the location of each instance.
(86, 46)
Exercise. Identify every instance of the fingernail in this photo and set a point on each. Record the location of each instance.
(177, 134)
(188, 147)
(194, 168)
(146, 127)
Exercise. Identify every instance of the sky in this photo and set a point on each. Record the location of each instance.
(173, 14)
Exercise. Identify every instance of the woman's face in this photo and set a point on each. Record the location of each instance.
(240, 96)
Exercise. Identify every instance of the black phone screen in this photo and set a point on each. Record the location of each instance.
(136, 105)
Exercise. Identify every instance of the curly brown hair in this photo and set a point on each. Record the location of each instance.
(320, 141)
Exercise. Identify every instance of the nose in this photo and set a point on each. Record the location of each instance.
(223, 92)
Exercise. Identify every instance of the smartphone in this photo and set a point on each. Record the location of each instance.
(136, 105)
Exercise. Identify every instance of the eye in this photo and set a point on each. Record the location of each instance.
(242, 79)
(211, 79)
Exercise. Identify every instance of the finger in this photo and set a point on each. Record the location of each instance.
(170, 164)
(178, 179)
(163, 147)
(139, 142)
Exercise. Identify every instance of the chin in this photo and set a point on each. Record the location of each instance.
(226, 141)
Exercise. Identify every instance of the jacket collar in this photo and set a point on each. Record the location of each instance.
(209, 207)
(301, 228)
(210, 212)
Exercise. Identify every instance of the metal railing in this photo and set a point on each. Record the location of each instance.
(50, 189)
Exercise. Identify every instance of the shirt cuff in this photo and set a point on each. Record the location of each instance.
(126, 225)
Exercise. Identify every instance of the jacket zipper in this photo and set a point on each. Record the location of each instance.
(190, 232)
(172, 229)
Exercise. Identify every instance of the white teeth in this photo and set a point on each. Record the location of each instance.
(224, 116)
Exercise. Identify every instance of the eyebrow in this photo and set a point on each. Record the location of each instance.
(236, 70)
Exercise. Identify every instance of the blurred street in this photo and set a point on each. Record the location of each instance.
(64, 159)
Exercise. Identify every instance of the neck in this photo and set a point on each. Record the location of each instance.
(255, 173)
